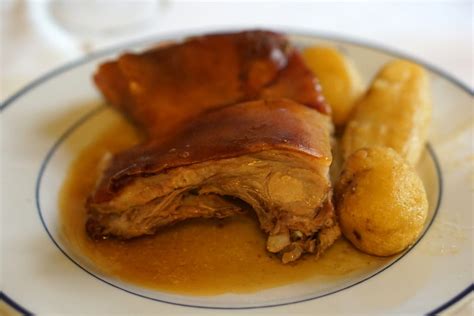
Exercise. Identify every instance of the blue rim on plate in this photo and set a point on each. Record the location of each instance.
(290, 31)
(14, 304)
(96, 111)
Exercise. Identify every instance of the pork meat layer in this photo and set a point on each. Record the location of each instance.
(271, 154)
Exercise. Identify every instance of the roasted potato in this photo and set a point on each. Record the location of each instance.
(395, 112)
(339, 79)
(380, 201)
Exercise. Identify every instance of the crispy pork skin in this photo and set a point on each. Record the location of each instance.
(162, 88)
(271, 154)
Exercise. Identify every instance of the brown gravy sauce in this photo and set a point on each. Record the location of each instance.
(201, 257)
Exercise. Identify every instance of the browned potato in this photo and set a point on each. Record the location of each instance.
(380, 201)
(339, 79)
(395, 112)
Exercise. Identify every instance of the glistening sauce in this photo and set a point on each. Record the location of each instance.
(204, 257)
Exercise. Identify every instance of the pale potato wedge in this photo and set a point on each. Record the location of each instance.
(340, 81)
(380, 201)
(395, 112)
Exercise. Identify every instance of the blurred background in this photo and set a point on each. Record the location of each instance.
(38, 35)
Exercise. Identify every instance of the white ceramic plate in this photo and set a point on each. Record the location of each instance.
(46, 124)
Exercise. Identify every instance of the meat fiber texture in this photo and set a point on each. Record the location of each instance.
(211, 151)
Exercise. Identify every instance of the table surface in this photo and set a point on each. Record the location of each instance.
(439, 33)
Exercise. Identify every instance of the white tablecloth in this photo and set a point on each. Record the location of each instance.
(438, 32)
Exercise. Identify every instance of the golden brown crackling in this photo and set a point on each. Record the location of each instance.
(162, 88)
(225, 133)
